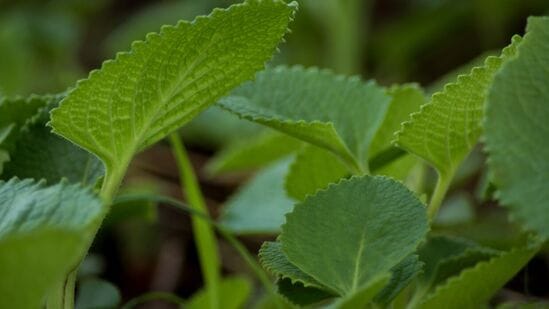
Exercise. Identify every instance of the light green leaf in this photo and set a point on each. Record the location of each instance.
(446, 129)
(164, 81)
(259, 206)
(334, 112)
(94, 293)
(475, 286)
(517, 131)
(275, 261)
(380, 220)
(234, 292)
(43, 230)
(312, 169)
(252, 153)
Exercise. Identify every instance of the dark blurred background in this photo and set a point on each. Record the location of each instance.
(45, 46)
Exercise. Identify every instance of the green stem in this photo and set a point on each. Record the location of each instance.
(62, 296)
(441, 188)
(202, 230)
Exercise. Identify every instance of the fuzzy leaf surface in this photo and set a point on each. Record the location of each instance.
(380, 220)
(51, 223)
(259, 206)
(446, 129)
(341, 114)
(517, 131)
(164, 81)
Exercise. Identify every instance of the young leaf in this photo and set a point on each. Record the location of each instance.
(312, 169)
(143, 95)
(259, 206)
(445, 130)
(253, 153)
(334, 112)
(43, 230)
(476, 285)
(380, 220)
(517, 131)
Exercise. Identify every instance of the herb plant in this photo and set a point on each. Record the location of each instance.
(354, 229)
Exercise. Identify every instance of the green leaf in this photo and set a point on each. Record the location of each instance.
(380, 220)
(259, 206)
(52, 223)
(337, 113)
(40, 154)
(275, 261)
(234, 292)
(313, 169)
(445, 257)
(475, 286)
(164, 81)
(364, 295)
(446, 129)
(516, 130)
(14, 114)
(95, 293)
(252, 153)
(298, 294)
(401, 275)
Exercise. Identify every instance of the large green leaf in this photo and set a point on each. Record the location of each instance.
(164, 81)
(334, 112)
(380, 220)
(259, 206)
(446, 129)
(517, 131)
(44, 232)
(474, 286)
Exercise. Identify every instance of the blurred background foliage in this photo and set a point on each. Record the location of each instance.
(46, 45)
